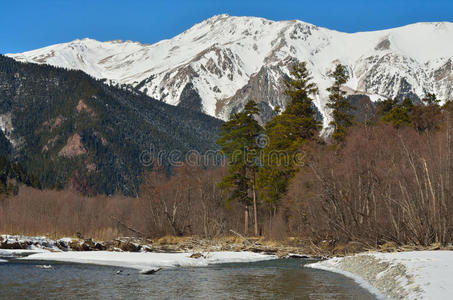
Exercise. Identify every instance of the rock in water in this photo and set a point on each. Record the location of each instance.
(44, 266)
(150, 271)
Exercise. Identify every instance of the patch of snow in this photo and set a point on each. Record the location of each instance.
(19, 252)
(426, 275)
(360, 281)
(33, 243)
(66, 240)
(149, 260)
(376, 98)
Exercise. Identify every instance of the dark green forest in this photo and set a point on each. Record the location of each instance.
(71, 129)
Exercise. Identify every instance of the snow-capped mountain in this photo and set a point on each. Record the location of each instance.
(220, 63)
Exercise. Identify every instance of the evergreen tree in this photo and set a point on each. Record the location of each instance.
(238, 142)
(341, 108)
(286, 133)
(400, 114)
(300, 89)
(430, 99)
(385, 106)
(12, 174)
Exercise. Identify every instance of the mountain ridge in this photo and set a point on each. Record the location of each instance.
(224, 55)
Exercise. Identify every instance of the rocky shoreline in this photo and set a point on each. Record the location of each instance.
(167, 244)
(171, 244)
(380, 278)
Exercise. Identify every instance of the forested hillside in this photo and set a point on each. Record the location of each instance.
(70, 129)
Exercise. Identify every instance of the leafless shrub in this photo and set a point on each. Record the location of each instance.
(386, 184)
(186, 203)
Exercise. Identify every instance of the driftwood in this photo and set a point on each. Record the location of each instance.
(127, 227)
(241, 236)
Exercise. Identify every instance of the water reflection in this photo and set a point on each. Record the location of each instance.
(280, 279)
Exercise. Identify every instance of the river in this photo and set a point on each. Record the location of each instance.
(275, 279)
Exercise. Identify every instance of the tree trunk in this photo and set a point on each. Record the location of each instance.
(246, 220)
(270, 222)
(255, 216)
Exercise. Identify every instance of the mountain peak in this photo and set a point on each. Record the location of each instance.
(226, 59)
(219, 16)
(84, 40)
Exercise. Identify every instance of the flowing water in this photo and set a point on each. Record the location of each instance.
(277, 279)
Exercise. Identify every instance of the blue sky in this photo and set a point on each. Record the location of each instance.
(27, 25)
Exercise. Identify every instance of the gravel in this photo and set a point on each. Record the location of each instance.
(389, 279)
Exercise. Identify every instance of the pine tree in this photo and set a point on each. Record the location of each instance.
(286, 134)
(238, 142)
(399, 114)
(300, 89)
(341, 108)
(385, 106)
(430, 99)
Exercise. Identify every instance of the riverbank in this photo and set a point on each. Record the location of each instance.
(125, 252)
(172, 244)
(167, 244)
(398, 275)
(389, 271)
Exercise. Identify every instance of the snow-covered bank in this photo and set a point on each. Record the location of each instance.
(400, 275)
(122, 252)
(149, 260)
(31, 242)
(5, 253)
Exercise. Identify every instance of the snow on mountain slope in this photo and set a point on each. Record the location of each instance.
(225, 60)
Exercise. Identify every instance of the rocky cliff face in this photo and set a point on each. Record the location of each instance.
(220, 63)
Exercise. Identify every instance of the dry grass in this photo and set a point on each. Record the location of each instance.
(229, 239)
(172, 240)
